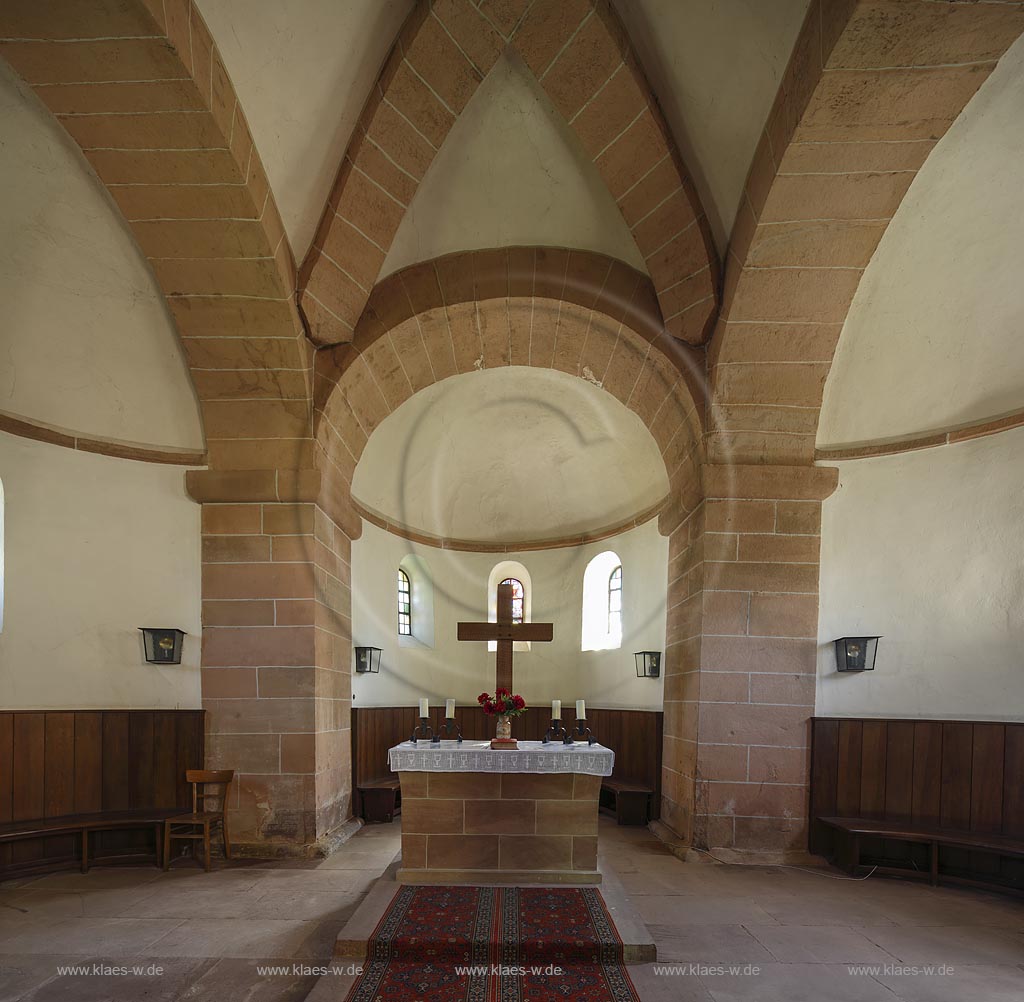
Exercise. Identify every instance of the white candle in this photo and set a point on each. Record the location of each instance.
(449, 709)
(424, 708)
(556, 709)
(581, 710)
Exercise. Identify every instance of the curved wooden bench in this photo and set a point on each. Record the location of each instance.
(854, 829)
(83, 824)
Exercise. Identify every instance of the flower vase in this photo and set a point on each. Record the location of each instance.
(503, 736)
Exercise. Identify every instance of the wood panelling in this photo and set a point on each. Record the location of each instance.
(60, 762)
(634, 735)
(961, 774)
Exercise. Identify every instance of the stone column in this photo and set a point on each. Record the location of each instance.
(276, 656)
(740, 660)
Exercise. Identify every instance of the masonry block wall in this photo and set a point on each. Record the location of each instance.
(740, 660)
(275, 668)
(683, 643)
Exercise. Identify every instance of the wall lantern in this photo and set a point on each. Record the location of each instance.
(163, 645)
(367, 660)
(856, 653)
(648, 664)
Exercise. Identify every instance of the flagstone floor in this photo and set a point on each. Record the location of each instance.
(724, 933)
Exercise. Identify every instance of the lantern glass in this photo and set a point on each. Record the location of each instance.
(648, 664)
(162, 644)
(367, 660)
(856, 653)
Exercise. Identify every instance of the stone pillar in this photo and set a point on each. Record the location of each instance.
(276, 656)
(741, 660)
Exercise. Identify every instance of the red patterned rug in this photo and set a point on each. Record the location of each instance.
(495, 944)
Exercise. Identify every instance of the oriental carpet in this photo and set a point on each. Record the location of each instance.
(495, 944)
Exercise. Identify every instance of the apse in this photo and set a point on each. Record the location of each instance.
(521, 474)
(511, 455)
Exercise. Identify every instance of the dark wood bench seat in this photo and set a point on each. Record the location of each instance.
(381, 799)
(854, 829)
(629, 801)
(83, 824)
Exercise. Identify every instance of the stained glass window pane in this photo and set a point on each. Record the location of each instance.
(517, 598)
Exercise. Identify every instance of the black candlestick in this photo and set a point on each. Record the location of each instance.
(555, 732)
(424, 730)
(449, 726)
(584, 732)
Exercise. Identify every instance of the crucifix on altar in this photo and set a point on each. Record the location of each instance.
(506, 633)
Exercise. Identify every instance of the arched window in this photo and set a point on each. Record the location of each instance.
(404, 604)
(514, 573)
(615, 601)
(602, 603)
(518, 598)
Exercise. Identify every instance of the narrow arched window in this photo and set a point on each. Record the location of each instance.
(518, 598)
(615, 601)
(404, 605)
(602, 603)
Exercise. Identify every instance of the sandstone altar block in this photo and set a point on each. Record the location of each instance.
(473, 815)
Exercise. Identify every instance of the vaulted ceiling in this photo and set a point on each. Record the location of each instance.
(303, 71)
(271, 159)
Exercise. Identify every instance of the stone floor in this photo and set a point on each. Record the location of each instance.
(724, 933)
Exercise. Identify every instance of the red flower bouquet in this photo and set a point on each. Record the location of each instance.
(502, 704)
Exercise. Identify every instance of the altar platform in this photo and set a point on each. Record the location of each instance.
(476, 815)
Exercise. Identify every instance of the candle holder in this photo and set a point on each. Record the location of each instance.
(423, 730)
(555, 732)
(447, 727)
(584, 732)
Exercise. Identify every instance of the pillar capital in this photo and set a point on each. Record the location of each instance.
(768, 482)
(252, 486)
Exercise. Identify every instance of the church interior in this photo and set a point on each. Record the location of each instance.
(539, 513)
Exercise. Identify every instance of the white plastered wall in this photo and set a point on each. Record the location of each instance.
(462, 670)
(926, 549)
(95, 547)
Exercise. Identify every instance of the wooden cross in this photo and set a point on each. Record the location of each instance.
(506, 633)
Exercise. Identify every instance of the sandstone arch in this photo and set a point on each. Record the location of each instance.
(578, 312)
(869, 90)
(582, 58)
(142, 89)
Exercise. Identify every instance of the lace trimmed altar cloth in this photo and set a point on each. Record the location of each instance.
(478, 756)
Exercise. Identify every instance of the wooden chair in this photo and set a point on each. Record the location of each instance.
(183, 826)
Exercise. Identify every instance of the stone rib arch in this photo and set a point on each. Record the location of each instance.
(582, 58)
(518, 306)
(141, 88)
(871, 87)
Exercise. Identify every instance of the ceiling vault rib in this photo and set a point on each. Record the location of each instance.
(580, 54)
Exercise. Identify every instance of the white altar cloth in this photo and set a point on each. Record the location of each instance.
(478, 756)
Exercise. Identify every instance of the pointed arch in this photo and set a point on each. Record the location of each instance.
(869, 90)
(141, 88)
(581, 56)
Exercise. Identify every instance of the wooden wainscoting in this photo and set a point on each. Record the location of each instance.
(58, 762)
(959, 774)
(634, 735)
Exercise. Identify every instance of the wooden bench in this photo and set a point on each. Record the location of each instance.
(629, 802)
(83, 824)
(381, 799)
(852, 830)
